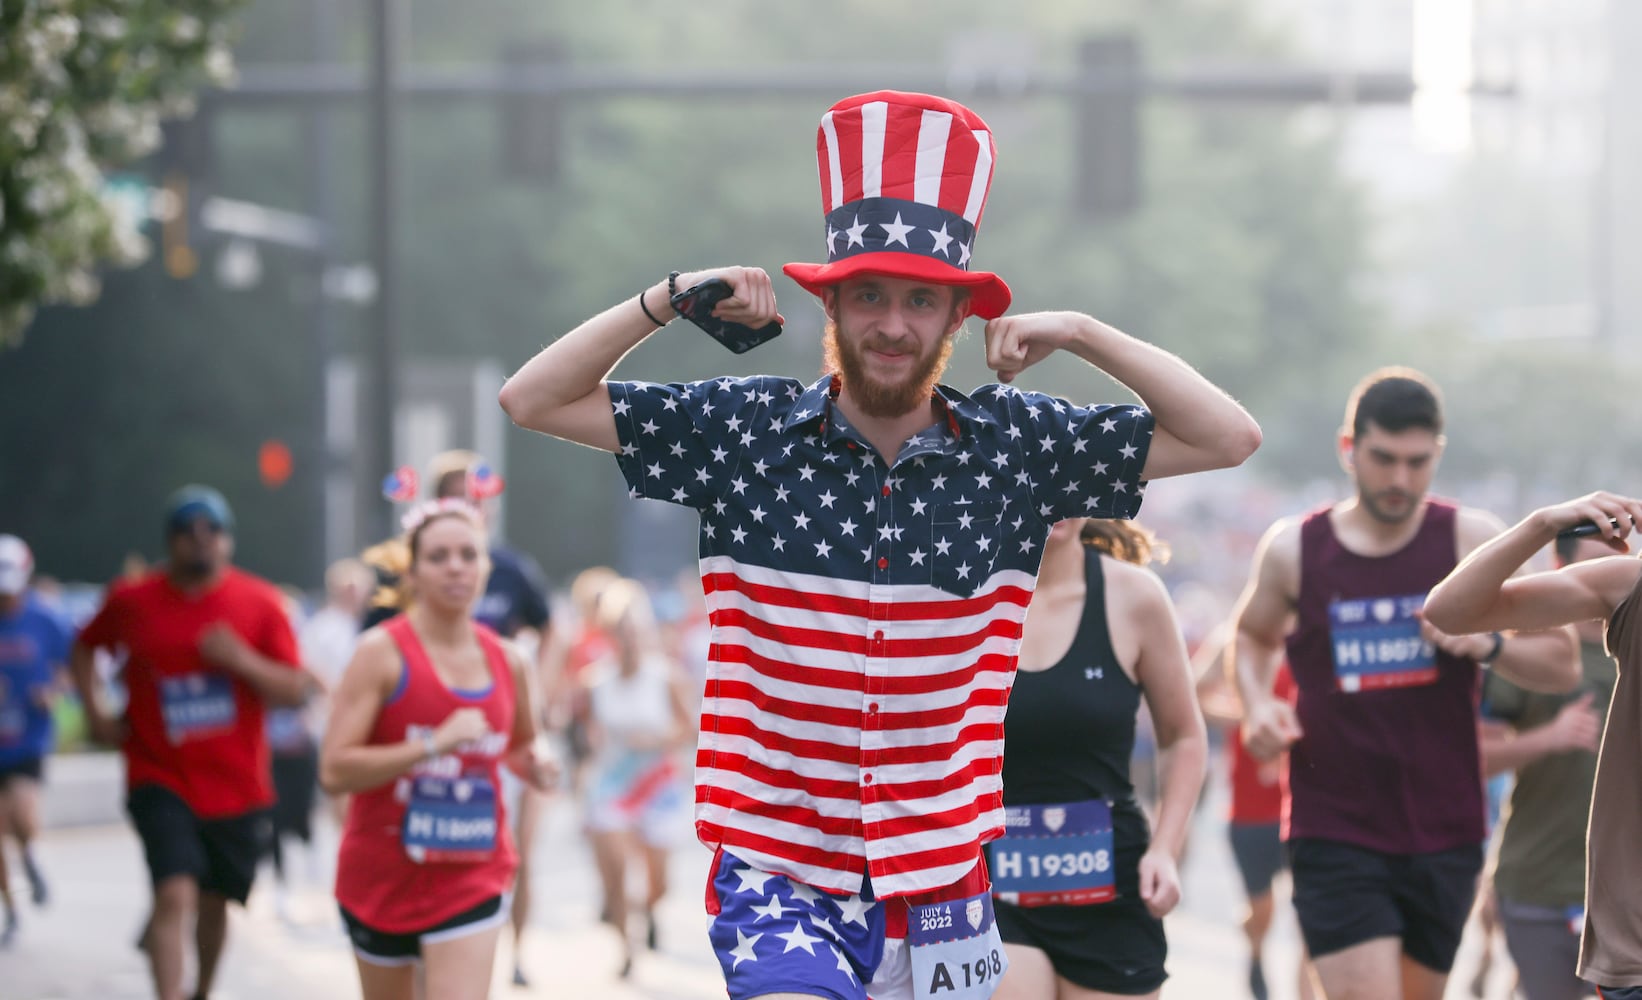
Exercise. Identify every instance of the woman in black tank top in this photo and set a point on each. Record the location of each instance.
(1081, 884)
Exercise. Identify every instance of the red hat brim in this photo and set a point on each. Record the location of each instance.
(988, 295)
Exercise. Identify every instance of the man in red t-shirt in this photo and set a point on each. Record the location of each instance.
(206, 646)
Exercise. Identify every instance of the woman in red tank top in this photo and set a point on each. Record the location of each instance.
(430, 708)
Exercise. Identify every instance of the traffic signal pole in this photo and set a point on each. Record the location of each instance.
(382, 375)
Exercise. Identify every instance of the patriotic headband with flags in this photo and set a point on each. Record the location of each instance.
(904, 179)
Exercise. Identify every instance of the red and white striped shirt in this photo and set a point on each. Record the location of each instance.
(865, 617)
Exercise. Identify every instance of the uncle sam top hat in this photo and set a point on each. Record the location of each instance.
(904, 179)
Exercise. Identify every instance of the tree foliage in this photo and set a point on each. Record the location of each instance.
(84, 85)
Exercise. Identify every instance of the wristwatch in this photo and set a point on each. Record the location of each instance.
(1493, 654)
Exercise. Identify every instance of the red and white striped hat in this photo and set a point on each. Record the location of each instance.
(904, 179)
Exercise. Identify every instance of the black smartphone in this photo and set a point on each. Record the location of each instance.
(1585, 529)
(696, 305)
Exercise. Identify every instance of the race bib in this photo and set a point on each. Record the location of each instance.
(1377, 644)
(956, 951)
(450, 819)
(1575, 915)
(1054, 855)
(197, 706)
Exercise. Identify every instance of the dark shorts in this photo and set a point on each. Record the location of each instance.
(1544, 946)
(296, 784)
(1115, 947)
(1619, 992)
(382, 948)
(220, 854)
(1346, 895)
(1258, 850)
(30, 768)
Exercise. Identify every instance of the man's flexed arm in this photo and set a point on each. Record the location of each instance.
(561, 390)
(1199, 427)
(1482, 593)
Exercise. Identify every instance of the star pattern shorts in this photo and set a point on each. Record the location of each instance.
(774, 935)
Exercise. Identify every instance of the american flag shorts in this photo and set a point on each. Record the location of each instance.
(774, 935)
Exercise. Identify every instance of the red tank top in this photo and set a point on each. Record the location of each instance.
(433, 842)
(1256, 788)
(1389, 760)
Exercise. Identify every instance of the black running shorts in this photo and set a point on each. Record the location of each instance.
(220, 854)
(383, 948)
(1346, 895)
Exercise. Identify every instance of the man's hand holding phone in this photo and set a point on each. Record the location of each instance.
(734, 305)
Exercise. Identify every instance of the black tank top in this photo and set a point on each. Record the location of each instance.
(1070, 730)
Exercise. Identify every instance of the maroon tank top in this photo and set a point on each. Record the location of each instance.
(1389, 759)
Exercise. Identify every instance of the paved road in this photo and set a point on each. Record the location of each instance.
(81, 948)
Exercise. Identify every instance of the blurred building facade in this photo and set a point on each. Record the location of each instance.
(1563, 134)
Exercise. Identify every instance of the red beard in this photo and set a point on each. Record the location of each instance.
(883, 399)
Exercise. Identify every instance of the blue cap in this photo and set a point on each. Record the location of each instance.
(193, 502)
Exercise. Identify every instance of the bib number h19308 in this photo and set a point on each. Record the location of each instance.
(1059, 854)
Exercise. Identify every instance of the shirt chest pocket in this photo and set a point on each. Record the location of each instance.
(964, 542)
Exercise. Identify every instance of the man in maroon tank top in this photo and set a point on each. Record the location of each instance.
(1384, 820)
(1479, 595)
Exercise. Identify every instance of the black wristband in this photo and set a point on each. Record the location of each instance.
(648, 314)
(1493, 654)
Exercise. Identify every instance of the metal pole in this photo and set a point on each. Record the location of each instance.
(380, 362)
(322, 29)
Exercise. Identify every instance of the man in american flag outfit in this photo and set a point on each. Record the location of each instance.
(868, 547)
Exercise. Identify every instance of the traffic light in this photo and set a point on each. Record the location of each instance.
(187, 160)
(532, 123)
(177, 252)
(1108, 134)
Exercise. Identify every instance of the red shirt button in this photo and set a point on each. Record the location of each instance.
(886, 489)
(878, 637)
(883, 563)
(866, 779)
(872, 707)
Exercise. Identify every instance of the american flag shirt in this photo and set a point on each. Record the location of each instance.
(866, 617)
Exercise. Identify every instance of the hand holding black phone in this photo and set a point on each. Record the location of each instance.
(1585, 529)
(696, 305)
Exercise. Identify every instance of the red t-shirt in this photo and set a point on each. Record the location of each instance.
(193, 728)
(1256, 791)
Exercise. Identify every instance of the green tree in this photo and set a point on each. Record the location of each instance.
(84, 85)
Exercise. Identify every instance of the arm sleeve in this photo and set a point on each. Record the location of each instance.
(675, 436)
(1085, 461)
